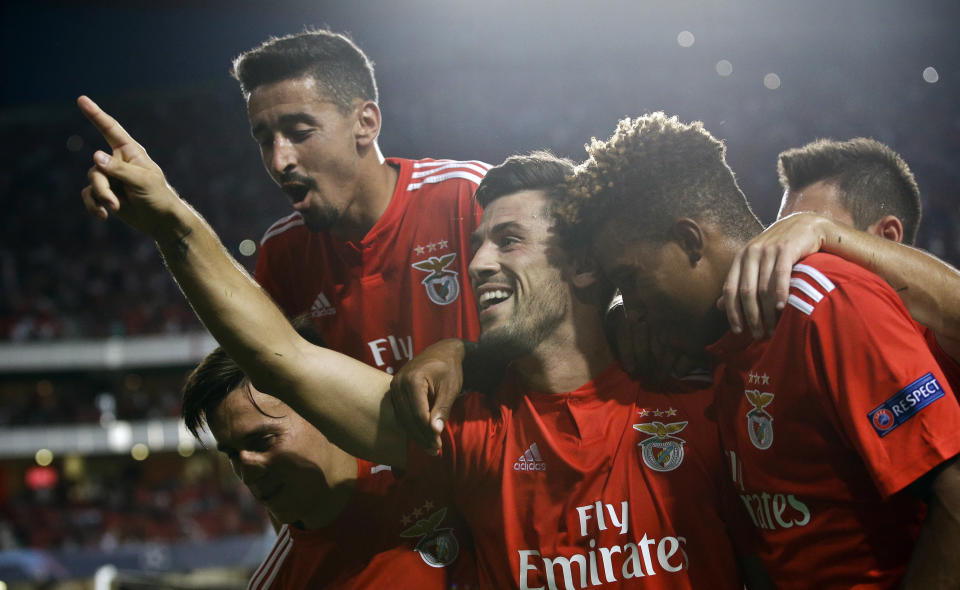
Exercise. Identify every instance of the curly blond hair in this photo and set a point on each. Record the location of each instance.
(652, 171)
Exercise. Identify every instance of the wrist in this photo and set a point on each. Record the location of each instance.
(174, 226)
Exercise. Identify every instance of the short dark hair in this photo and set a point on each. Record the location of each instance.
(343, 70)
(540, 170)
(217, 376)
(872, 179)
(652, 171)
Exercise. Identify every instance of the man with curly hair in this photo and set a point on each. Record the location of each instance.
(840, 430)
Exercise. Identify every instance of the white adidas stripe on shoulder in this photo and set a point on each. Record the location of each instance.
(441, 177)
(469, 166)
(268, 570)
(282, 225)
(435, 163)
(816, 275)
(814, 292)
(431, 172)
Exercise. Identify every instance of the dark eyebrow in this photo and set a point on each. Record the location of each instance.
(248, 438)
(476, 238)
(293, 118)
(288, 120)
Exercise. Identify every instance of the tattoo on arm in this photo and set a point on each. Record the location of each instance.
(179, 249)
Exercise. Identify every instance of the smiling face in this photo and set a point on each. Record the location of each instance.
(281, 458)
(521, 294)
(308, 146)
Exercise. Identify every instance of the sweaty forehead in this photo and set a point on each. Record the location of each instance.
(237, 415)
(523, 207)
(284, 96)
(821, 197)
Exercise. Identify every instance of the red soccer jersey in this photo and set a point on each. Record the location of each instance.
(404, 286)
(949, 365)
(827, 422)
(603, 486)
(390, 535)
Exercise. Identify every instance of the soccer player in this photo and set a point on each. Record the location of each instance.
(840, 430)
(564, 478)
(346, 523)
(862, 204)
(376, 251)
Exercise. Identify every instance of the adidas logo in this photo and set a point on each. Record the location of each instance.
(321, 307)
(530, 460)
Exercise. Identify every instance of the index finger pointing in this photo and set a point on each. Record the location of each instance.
(108, 127)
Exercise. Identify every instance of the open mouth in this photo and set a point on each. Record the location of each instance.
(295, 190)
(490, 297)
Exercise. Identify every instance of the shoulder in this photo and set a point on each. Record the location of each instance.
(288, 226)
(266, 574)
(429, 172)
(821, 279)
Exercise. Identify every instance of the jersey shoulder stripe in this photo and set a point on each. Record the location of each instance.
(443, 162)
(447, 166)
(474, 178)
(808, 287)
(282, 225)
(432, 172)
(267, 572)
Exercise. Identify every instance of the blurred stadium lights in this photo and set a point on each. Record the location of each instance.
(724, 68)
(111, 353)
(168, 434)
(247, 247)
(139, 451)
(930, 75)
(43, 457)
(685, 39)
(771, 81)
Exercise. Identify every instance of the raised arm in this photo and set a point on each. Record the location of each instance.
(759, 280)
(342, 397)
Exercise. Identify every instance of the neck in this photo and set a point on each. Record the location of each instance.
(570, 357)
(372, 195)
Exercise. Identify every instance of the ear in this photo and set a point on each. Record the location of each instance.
(889, 227)
(583, 271)
(689, 235)
(367, 126)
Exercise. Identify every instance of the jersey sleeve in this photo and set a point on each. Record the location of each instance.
(950, 365)
(887, 393)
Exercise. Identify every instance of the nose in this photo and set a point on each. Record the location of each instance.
(283, 155)
(484, 263)
(248, 466)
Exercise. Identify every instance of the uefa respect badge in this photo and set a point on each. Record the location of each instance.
(886, 417)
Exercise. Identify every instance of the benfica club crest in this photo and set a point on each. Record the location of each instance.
(437, 547)
(441, 284)
(759, 421)
(662, 451)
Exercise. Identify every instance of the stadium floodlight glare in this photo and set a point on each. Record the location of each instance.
(44, 457)
(771, 81)
(139, 451)
(724, 68)
(186, 448)
(930, 75)
(119, 436)
(247, 247)
(685, 39)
